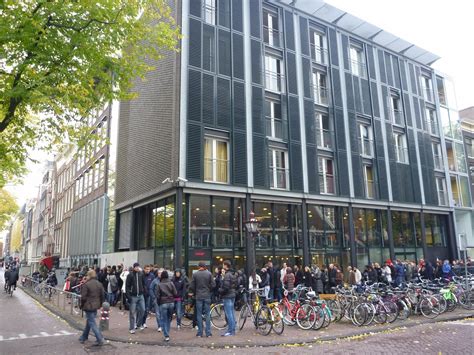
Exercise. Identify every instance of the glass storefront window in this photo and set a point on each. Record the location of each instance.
(402, 228)
(263, 213)
(418, 238)
(200, 222)
(435, 229)
(373, 234)
(282, 237)
(359, 227)
(159, 225)
(169, 224)
(315, 227)
(222, 228)
(239, 229)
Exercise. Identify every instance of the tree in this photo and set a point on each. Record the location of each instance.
(61, 61)
(8, 207)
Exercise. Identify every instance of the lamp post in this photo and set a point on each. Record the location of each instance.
(251, 225)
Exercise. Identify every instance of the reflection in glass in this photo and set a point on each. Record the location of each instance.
(200, 222)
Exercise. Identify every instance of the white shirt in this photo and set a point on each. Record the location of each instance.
(123, 276)
(258, 278)
(358, 276)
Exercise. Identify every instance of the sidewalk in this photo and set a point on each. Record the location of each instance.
(248, 337)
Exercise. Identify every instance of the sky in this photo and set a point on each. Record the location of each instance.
(444, 28)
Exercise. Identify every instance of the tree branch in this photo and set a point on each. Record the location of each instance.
(87, 24)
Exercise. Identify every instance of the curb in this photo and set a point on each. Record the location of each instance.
(361, 333)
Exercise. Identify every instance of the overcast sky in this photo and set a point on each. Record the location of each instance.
(444, 28)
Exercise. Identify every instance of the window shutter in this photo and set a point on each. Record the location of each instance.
(194, 155)
(208, 99)
(240, 158)
(223, 103)
(195, 43)
(194, 96)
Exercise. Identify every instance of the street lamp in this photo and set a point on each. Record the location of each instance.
(251, 225)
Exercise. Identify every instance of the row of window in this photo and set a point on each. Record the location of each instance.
(90, 180)
(96, 144)
(64, 204)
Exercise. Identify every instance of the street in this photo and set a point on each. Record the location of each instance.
(28, 328)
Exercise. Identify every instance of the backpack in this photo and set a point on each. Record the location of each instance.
(113, 283)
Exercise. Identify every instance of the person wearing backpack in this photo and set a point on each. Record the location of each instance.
(227, 292)
(112, 286)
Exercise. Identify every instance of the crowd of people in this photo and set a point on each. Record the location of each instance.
(150, 289)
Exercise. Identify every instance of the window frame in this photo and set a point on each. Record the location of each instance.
(366, 182)
(214, 159)
(209, 12)
(271, 13)
(275, 169)
(320, 48)
(274, 76)
(323, 173)
(320, 92)
(321, 131)
(369, 138)
(404, 147)
(357, 65)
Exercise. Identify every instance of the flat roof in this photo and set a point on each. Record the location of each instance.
(351, 23)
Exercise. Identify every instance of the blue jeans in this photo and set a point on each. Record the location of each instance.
(91, 325)
(111, 298)
(178, 306)
(166, 312)
(157, 314)
(203, 306)
(229, 314)
(137, 307)
(148, 306)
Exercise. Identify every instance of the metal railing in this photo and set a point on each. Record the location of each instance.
(281, 180)
(65, 301)
(358, 68)
(319, 54)
(325, 138)
(271, 36)
(274, 81)
(320, 94)
(276, 128)
(366, 147)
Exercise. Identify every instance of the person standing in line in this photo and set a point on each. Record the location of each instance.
(265, 283)
(227, 292)
(112, 285)
(123, 276)
(148, 277)
(202, 286)
(271, 272)
(153, 288)
(135, 286)
(179, 284)
(92, 297)
(165, 295)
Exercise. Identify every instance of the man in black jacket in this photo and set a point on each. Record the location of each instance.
(135, 288)
(201, 286)
(228, 291)
(92, 297)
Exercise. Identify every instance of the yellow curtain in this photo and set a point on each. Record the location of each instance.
(208, 160)
(221, 162)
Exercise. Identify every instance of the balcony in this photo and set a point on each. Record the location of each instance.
(397, 117)
(325, 139)
(271, 36)
(279, 178)
(276, 128)
(320, 94)
(319, 54)
(274, 81)
(366, 147)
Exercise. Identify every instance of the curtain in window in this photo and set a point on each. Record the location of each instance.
(208, 160)
(221, 162)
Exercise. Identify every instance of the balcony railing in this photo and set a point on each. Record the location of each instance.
(279, 178)
(274, 81)
(326, 184)
(438, 162)
(366, 147)
(358, 68)
(325, 138)
(320, 95)
(276, 128)
(271, 36)
(402, 155)
(319, 54)
(397, 117)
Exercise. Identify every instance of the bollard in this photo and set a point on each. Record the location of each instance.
(104, 316)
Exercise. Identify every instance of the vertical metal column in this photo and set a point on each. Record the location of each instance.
(249, 240)
(352, 237)
(390, 234)
(304, 221)
(178, 234)
(423, 234)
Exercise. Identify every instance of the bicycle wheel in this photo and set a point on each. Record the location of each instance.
(466, 299)
(426, 308)
(286, 310)
(188, 314)
(391, 309)
(327, 317)
(243, 315)
(218, 318)
(319, 318)
(359, 314)
(263, 320)
(336, 310)
(380, 314)
(403, 310)
(278, 325)
(305, 316)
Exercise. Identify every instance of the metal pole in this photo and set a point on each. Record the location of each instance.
(465, 271)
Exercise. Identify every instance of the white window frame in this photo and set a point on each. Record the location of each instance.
(365, 128)
(274, 120)
(275, 169)
(437, 155)
(441, 188)
(274, 74)
(427, 87)
(320, 92)
(272, 16)
(323, 166)
(396, 111)
(431, 118)
(321, 131)
(209, 11)
(214, 159)
(366, 182)
(403, 147)
(318, 46)
(357, 60)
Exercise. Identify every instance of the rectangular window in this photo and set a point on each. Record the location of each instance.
(401, 149)
(318, 46)
(96, 175)
(324, 132)
(216, 160)
(326, 176)
(320, 91)
(209, 11)
(208, 48)
(460, 158)
(455, 190)
(271, 28)
(102, 171)
(427, 88)
(279, 172)
(369, 182)
(366, 140)
(441, 92)
(437, 155)
(441, 188)
(274, 74)
(275, 126)
(469, 143)
(357, 60)
(396, 110)
(432, 121)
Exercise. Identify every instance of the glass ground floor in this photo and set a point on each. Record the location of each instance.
(185, 228)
